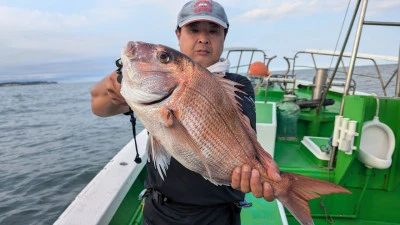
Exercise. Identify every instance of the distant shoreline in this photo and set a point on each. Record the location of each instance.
(9, 84)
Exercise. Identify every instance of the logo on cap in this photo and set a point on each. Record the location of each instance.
(202, 6)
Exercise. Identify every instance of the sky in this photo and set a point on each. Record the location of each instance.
(74, 40)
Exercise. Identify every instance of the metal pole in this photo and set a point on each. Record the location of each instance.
(354, 53)
(240, 59)
(339, 58)
(350, 73)
(378, 23)
(397, 94)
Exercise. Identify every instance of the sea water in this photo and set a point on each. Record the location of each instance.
(51, 146)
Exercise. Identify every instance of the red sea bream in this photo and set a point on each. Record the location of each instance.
(193, 115)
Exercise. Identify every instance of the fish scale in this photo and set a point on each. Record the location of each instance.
(206, 138)
(220, 113)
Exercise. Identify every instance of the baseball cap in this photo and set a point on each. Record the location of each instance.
(203, 10)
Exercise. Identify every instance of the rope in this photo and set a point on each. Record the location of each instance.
(340, 33)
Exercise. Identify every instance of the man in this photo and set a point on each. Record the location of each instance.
(184, 197)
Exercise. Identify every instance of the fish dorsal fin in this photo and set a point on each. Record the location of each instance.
(176, 127)
(264, 157)
(159, 155)
(230, 88)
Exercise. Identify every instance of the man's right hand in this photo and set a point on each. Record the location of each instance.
(113, 89)
(106, 97)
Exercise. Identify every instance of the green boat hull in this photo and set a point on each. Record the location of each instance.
(375, 193)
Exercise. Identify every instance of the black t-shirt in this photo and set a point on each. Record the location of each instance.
(187, 187)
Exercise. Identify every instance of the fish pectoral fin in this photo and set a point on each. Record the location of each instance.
(176, 127)
(166, 116)
(159, 155)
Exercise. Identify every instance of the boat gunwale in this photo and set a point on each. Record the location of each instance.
(100, 199)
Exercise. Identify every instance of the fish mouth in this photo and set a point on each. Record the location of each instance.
(163, 98)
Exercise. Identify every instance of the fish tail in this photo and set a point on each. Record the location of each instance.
(302, 189)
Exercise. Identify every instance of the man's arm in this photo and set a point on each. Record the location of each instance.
(106, 97)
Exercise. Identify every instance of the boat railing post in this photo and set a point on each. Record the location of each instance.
(250, 61)
(294, 60)
(397, 92)
(354, 53)
(340, 58)
(344, 67)
(379, 77)
(240, 59)
(269, 60)
(350, 72)
(313, 59)
(288, 65)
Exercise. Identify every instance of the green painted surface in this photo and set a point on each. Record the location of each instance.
(265, 115)
(322, 143)
(292, 157)
(262, 212)
(380, 202)
(130, 210)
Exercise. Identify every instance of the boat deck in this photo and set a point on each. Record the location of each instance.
(291, 155)
(294, 156)
(263, 212)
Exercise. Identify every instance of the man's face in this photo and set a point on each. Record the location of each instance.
(202, 41)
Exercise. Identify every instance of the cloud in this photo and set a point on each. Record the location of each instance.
(273, 10)
(380, 7)
(33, 41)
(34, 36)
(388, 4)
(13, 18)
(46, 35)
(269, 14)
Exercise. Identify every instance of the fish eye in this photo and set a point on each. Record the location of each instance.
(164, 57)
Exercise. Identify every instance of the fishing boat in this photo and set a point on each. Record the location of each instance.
(324, 128)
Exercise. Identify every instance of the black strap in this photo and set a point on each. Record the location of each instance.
(160, 198)
(118, 63)
(133, 122)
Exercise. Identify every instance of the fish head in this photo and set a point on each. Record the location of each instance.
(151, 72)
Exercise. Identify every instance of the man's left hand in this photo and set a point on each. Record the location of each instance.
(247, 180)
